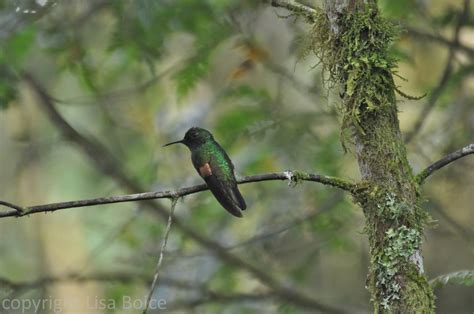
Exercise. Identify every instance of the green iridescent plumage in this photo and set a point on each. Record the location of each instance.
(215, 167)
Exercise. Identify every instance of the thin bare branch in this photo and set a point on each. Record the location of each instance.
(462, 277)
(421, 177)
(296, 7)
(160, 259)
(18, 209)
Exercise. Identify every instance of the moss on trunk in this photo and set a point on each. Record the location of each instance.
(353, 43)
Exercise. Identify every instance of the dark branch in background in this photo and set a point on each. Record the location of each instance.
(109, 166)
(433, 97)
(292, 176)
(421, 177)
(458, 229)
(446, 75)
(102, 158)
(270, 234)
(21, 287)
(128, 91)
(421, 34)
(294, 81)
(110, 237)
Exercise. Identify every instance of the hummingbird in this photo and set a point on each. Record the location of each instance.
(215, 167)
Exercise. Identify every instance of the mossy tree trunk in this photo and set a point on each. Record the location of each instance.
(353, 42)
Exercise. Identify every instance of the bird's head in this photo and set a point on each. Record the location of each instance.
(194, 138)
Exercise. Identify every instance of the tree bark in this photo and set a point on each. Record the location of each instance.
(355, 51)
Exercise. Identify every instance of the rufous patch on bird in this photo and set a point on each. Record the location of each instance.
(205, 170)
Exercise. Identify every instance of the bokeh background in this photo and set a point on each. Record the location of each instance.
(130, 76)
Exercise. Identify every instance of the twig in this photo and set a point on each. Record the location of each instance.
(462, 277)
(446, 75)
(286, 175)
(421, 177)
(18, 209)
(162, 250)
(296, 7)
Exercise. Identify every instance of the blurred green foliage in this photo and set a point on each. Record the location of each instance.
(134, 75)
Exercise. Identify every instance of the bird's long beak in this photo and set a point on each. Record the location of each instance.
(177, 142)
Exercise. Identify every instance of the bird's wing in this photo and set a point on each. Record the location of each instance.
(223, 185)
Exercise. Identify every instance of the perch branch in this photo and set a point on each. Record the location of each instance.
(421, 177)
(20, 211)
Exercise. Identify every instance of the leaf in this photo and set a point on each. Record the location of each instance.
(190, 75)
(401, 9)
(12, 53)
(19, 45)
(8, 90)
(463, 278)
